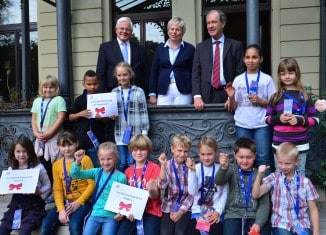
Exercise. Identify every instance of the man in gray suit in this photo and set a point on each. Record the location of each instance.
(230, 62)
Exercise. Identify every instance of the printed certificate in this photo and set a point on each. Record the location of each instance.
(126, 200)
(19, 181)
(102, 104)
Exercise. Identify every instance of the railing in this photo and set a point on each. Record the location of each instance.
(166, 121)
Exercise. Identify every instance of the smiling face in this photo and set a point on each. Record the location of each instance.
(123, 31)
(206, 155)
(214, 25)
(180, 153)
(175, 33)
(21, 156)
(287, 164)
(139, 155)
(68, 150)
(252, 60)
(123, 76)
(48, 91)
(107, 159)
(288, 78)
(245, 158)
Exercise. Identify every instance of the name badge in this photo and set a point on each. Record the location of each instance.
(288, 104)
(127, 134)
(17, 219)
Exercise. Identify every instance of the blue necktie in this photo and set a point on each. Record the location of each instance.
(124, 50)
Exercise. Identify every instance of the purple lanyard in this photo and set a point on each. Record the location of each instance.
(125, 105)
(142, 175)
(178, 180)
(43, 113)
(97, 195)
(296, 202)
(211, 182)
(246, 194)
(68, 179)
(247, 82)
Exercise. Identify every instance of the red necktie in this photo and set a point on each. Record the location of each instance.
(216, 67)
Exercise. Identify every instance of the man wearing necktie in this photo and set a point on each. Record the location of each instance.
(217, 61)
(118, 50)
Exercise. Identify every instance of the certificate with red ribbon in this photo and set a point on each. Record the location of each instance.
(102, 104)
(126, 200)
(19, 181)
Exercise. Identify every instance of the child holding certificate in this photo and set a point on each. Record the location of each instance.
(209, 199)
(132, 109)
(89, 131)
(104, 177)
(173, 181)
(143, 174)
(25, 211)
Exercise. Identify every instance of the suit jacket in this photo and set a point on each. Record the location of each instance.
(161, 68)
(203, 65)
(110, 55)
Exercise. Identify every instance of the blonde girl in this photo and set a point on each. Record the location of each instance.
(48, 115)
(291, 111)
(132, 113)
(209, 199)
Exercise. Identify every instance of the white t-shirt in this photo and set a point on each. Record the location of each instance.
(246, 114)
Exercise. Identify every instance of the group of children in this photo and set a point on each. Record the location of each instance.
(184, 197)
(228, 198)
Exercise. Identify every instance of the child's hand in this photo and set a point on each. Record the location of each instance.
(79, 156)
(176, 216)
(118, 217)
(85, 113)
(262, 169)
(190, 163)
(131, 217)
(213, 217)
(162, 159)
(254, 230)
(112, 117)
(72, 207)
(284, 118)
(254, 99)
(63, 217)
(152, 185)
(230, 90)
(224, 161)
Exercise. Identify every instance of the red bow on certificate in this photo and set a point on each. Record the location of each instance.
(100, 110)
(15, 186)
(122, 206)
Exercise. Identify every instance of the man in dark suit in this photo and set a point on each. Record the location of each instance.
(230, 62)
(111, 53)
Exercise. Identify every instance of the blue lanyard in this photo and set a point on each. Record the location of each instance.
(125, 105)
(68, 180)
(43, 113)
(97, 195)
(246, 194)
(302, 105)
(142, 175)
(178, 180)
(247, 82)
(211, 182)
(297, 203)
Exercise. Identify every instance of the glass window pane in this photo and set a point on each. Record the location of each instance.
(7, 64)
(136, 6)
(10, 12)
